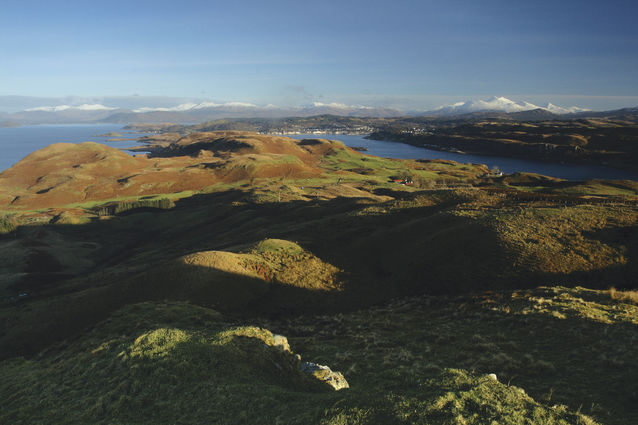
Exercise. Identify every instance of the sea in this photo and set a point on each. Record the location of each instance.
(18, 142)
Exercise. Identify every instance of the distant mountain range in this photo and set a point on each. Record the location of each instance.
(500, 104)
(209, 111)
(185, 113)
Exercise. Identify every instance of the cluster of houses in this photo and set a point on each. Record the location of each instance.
(335, 129)
(418, 130)
(405, 182)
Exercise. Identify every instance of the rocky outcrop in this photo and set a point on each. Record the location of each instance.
(323, 374)
(327, 376)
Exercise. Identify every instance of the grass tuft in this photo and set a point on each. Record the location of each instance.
(7, 225)
(626, 296)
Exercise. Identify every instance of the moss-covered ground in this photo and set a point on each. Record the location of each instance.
(559, 355)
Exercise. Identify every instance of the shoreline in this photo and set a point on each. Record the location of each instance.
(509, 155)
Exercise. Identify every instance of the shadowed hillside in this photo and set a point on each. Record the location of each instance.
(607, 140)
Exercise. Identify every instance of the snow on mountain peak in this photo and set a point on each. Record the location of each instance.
(564, 110)
(240, 104)
(329, 105)
(195, 106)
(337, 105)
(501, 104)
(59, 108)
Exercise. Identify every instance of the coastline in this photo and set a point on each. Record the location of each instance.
(519, 152)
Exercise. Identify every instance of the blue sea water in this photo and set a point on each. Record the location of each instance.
(18, 142)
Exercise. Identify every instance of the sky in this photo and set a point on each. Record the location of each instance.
(408, 54)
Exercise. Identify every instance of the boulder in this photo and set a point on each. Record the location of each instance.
(280, 342)
(336, 380)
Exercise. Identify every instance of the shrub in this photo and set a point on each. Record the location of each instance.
(121, 207)
(7, 225)
(626, 296)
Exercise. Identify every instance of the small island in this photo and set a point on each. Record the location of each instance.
(110, 134)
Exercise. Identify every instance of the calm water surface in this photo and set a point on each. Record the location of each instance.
(18, 142)
(507, 165)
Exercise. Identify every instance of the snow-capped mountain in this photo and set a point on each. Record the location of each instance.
(500, 104)
(562, 110)
(208, 111)
(59, 108)
(87, 111)
(202, 105)
(63, 114)
(184, 112)
(270, 109)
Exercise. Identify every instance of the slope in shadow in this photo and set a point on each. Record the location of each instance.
(383, 255)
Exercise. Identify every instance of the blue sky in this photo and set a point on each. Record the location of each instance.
(409, 54)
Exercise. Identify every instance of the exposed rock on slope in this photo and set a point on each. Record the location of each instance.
(408, 362)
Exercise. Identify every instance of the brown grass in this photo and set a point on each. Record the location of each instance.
(626, 296)
(64, 173)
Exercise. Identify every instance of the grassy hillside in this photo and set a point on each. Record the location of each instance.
(416, 360)
(150, 289)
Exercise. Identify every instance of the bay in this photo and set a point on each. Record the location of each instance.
(507, 165)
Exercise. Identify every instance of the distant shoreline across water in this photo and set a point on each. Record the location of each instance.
(18, 142)
(505, 164)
